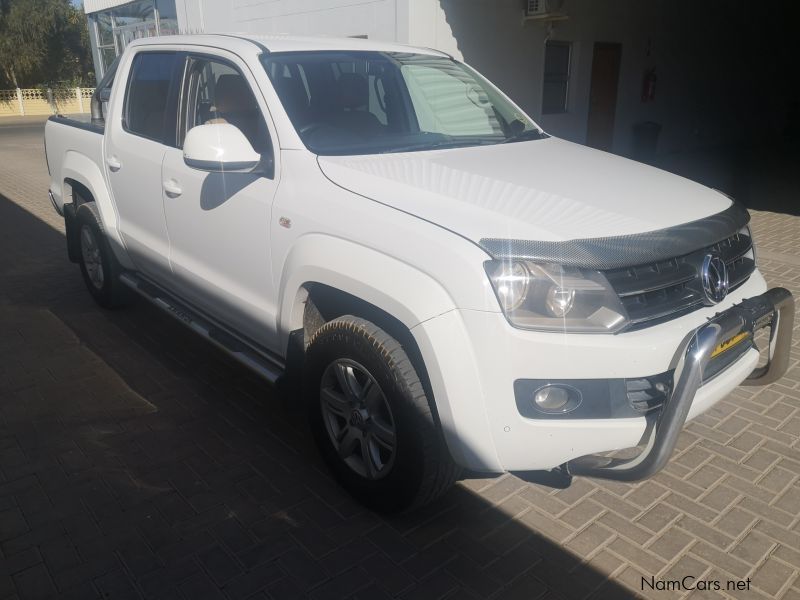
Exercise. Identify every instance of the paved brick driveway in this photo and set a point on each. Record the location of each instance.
(135, 461)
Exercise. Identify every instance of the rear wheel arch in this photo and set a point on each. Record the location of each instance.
(82, 182)
(78, 194)
(78, 191)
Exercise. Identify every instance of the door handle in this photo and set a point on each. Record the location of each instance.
(113, 163)
(172, 188)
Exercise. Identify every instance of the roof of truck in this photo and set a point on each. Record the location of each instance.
(284, 43)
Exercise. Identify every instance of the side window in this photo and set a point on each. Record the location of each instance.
(146, 102)
(219, 93)
(555, 86)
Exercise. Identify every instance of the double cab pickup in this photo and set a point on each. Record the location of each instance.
(449, 286)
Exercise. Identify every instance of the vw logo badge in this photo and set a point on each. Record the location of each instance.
(714, 275)
(356, 419)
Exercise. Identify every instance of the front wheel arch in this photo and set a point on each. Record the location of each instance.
(323, 303)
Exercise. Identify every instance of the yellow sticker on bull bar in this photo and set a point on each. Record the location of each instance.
(730, 343)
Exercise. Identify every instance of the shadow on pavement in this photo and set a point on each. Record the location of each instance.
(139, 461)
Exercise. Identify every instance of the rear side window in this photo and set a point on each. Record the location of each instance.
(146, 112)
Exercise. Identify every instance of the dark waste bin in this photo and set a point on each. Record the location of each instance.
(645, 140)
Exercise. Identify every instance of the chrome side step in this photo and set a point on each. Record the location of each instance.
(263, 365)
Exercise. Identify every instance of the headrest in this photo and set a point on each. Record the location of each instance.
(353, 90)
(292, 93)
(233, 95)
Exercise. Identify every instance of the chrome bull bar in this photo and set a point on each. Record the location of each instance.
(774, 309)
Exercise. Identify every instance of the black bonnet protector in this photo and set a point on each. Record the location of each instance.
(626, 250)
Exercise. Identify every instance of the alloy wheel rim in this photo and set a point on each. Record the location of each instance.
(358, 419)
(90, 250)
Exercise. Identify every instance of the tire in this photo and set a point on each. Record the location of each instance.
(353, 365)
(99, 266)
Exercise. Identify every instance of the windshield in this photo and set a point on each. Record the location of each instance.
(373, 102)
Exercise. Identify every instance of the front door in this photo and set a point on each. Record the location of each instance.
(135, 146)
(603, 95)
(219, 222)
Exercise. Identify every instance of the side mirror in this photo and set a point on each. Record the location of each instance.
(219, 147)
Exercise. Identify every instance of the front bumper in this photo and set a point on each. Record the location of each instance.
(773, 309)
(474, 357)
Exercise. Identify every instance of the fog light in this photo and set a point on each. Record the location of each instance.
(556, 398)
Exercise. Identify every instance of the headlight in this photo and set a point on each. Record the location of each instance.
(550, 297)
(511, 284)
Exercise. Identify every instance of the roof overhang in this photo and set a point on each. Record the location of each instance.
(93, 6)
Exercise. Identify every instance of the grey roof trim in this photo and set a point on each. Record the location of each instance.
(626, 250)
(259, 45)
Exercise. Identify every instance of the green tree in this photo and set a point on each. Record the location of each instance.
(43, 42)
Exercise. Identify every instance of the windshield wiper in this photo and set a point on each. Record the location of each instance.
(453, 143)
(524, 136)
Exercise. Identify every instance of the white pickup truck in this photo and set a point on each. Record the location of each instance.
(453, 287)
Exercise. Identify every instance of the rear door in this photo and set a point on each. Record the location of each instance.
(219, 222)
(137, 137)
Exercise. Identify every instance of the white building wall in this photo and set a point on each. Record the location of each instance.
(91, 6)
(376, 19)
(700, 93)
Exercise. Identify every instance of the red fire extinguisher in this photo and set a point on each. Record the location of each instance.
(649, 85)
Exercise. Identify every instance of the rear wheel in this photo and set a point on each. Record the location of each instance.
(371, 417)
(98, 264)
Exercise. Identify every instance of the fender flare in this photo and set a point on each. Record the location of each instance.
(404, 292)
(81, 169)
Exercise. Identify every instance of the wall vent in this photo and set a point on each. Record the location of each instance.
(536, 7)
(544, 10)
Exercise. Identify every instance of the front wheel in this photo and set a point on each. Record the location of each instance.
(371, 418)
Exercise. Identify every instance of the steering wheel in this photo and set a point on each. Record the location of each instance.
(311, 127)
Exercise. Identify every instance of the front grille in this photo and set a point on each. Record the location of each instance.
(660, 291)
